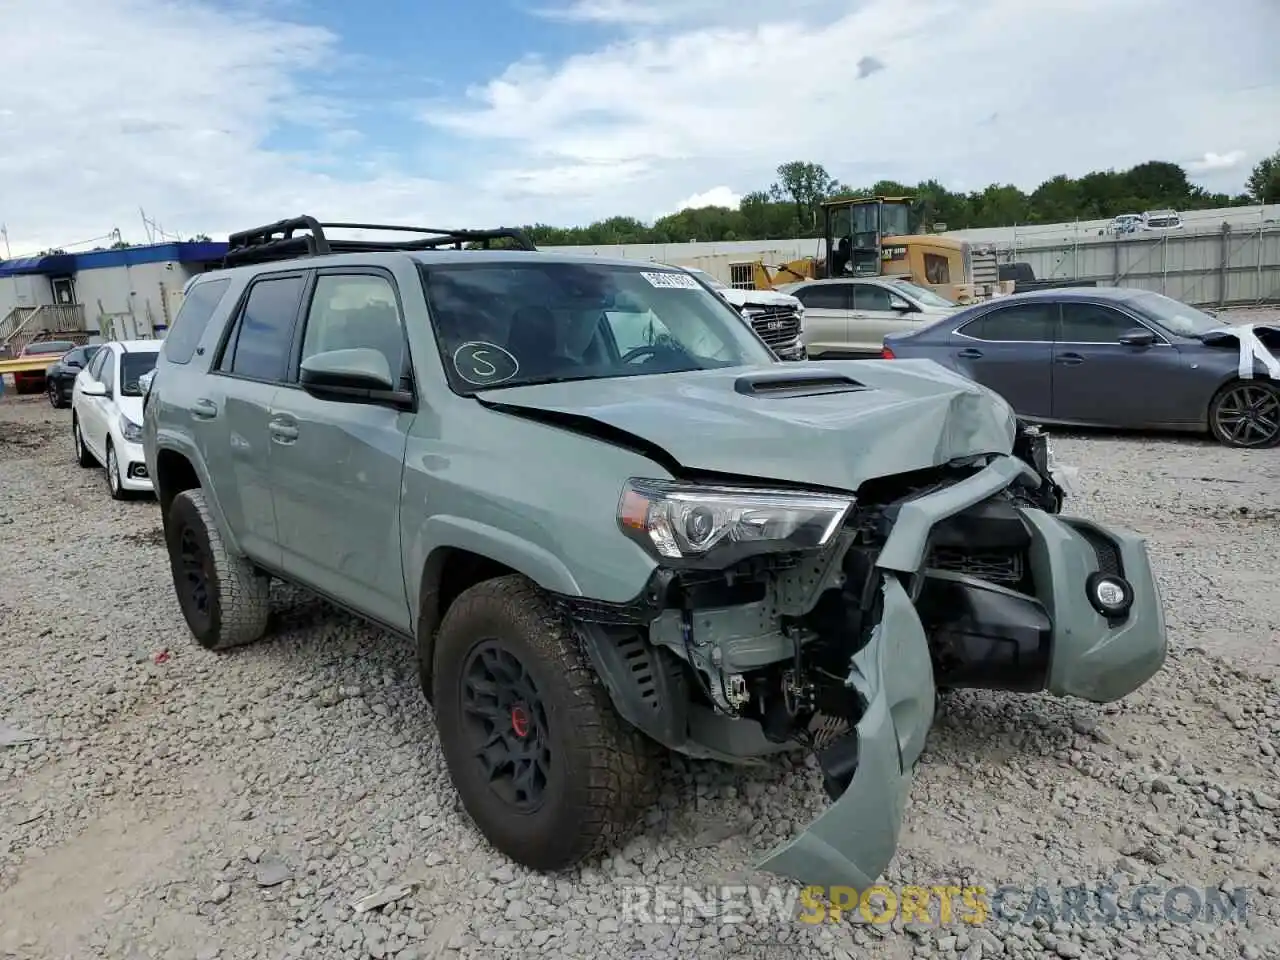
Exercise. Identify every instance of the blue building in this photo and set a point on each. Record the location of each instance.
(112, 294)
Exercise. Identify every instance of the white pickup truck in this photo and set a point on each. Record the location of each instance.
(777, 317)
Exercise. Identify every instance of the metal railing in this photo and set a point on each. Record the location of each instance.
(23, 324)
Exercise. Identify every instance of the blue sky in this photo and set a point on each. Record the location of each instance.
(217, 114)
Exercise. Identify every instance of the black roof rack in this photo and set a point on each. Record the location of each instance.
(305, 237)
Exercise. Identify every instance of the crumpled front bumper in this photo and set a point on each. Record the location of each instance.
(1093, 658)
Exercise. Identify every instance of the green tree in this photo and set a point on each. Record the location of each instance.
(1264, 182)
(789, 208)
(807, 184)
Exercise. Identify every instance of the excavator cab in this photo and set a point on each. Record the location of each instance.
(856, 230)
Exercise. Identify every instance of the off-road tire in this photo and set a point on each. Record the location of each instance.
(83, 457)
(603, 770)
(238, 594)
(1215, 428)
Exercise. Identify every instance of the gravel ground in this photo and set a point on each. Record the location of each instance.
(177, 803)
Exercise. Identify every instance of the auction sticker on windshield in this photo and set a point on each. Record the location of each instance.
(676, 281)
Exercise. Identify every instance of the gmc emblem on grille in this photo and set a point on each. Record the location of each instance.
(773, 325)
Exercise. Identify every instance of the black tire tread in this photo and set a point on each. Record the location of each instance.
(122, 493)
(242, 593)
(85, 459)
(620, 761)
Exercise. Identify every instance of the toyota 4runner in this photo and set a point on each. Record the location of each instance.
(610, 519)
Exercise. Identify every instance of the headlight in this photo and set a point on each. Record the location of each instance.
(130, 430)
(691, 525)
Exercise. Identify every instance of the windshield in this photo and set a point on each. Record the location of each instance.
(507, 324)
(923, 294)
(1174, 316)
(50, 346)
(714, 282)
(133, 366)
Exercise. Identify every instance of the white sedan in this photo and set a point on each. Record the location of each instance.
(106, 414)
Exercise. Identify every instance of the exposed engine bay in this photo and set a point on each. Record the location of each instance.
(770, 639)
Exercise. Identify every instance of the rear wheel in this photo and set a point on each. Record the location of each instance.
(543, 763)
(224, 598)
(1246, 413)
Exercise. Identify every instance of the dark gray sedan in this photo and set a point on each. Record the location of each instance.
(1108, 356)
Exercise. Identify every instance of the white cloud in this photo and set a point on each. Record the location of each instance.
(715, 197)
(1212, 162)
(973, 92)
(166, 105)
(206, 117)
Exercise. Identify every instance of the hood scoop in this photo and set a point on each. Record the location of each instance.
(788, 384)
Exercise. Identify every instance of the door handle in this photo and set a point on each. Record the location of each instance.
(1070, 359)
(969, 353)
(283, 429)
(204, 409)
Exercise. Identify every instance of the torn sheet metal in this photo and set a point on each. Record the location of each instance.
(1252, 350)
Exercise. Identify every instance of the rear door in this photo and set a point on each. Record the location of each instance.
(229, 415)
(1010, 350)
(1098, 379)
(828, 309)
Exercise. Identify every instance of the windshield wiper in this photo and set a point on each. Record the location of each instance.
(538, 381)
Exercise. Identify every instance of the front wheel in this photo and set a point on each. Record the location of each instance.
(55, 396)
(1246, 414)
(83, 457)
(545, 767)
(114, 485)
(224, 598)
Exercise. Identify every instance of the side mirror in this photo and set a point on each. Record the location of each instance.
(93, 389)
(358, 374)
(901, 306)
(1138, 337)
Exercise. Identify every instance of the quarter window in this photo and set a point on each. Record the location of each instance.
(259, 346)
(350, 311)
(193, 316)
(1024, 323)
(1091, 323)
(825, 296)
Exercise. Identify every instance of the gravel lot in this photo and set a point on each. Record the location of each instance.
(177, 803)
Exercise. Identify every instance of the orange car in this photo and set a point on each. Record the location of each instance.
(32, 381)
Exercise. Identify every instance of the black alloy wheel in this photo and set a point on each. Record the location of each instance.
(506, 723)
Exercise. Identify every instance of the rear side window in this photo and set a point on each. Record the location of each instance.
(193, 316)
(1024, 323)
(259, 347)
(825, 296)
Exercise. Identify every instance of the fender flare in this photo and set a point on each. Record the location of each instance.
(442, 533)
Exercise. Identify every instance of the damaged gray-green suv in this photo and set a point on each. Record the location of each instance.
(611, 520)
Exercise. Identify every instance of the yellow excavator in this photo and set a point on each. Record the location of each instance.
(880, 237)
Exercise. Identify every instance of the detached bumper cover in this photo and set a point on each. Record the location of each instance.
(854, 840)
(1090, 657)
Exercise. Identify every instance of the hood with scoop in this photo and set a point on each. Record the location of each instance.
(831, 426)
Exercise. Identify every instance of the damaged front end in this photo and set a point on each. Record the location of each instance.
(781, 619)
